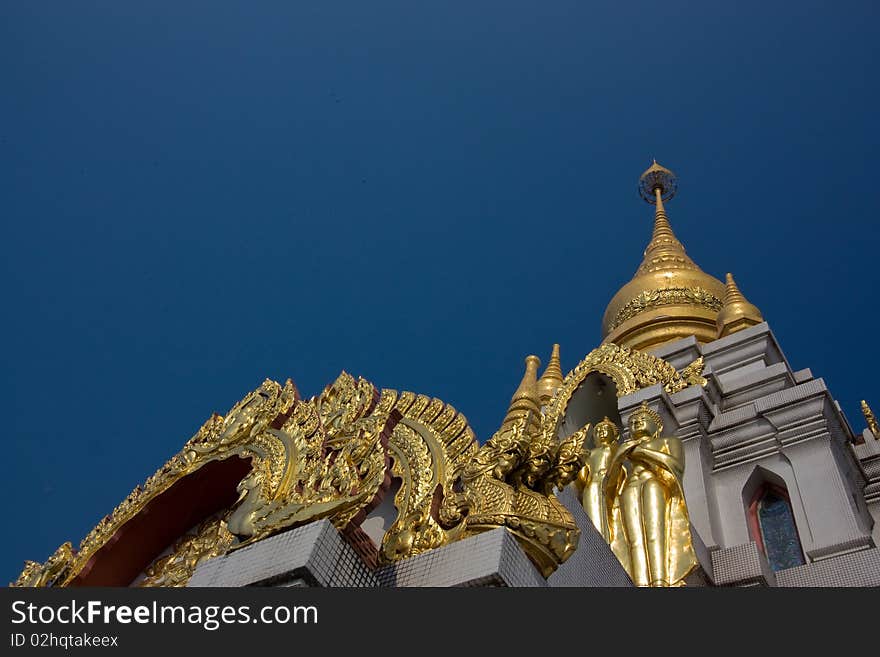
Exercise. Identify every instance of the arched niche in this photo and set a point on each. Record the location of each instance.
(589, 392)
(771, 519)
(594, 399)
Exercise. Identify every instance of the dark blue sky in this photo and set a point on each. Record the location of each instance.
(196, 196)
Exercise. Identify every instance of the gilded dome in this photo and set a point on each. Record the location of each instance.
(669, 297)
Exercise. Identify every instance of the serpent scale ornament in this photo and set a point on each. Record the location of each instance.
(335, 455)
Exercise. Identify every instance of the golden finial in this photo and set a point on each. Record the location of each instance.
(526, 399)
(655, 179)
(669, 297)
(656, 185)
(870, 419)
(737, 313)
(551, 379)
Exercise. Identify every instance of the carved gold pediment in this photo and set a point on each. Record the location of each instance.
(334, 455)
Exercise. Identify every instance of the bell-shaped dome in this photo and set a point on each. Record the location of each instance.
(669, 297)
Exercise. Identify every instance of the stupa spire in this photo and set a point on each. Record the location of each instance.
(526, 398)
(737, 313)
(551, 379)
(664, 251)
(669, 297)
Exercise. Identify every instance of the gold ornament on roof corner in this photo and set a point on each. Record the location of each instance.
(870, 419)
(429, 445)
(332, 455)
(632, 492)
(321, 458)
(50, 573)
(510, 482)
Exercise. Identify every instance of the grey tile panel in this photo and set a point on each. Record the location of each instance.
(492, 558)
(593, 563)
(860, 568)
(741, 565)
(314, 553)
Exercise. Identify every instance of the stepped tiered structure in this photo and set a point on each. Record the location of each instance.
(683, 451)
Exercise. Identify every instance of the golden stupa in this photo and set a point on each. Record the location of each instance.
(669, 297)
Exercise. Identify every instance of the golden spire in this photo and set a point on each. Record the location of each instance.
(870, 419)
(737, 312)
(664, 251)
(551, 379)
(526, 398)
(669, 297)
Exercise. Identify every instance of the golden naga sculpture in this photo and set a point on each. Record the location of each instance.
(633, 494)
(510, 482)
(321, 458)
(334, 456)
(47, 574)
(430, 444)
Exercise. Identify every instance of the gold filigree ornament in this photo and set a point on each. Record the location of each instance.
(331, 462)
(870, 419)
(333, 456)
(210, 539)
(672, 296)
(321, 458)
(431, 442)
(49, 573)
(509, 482)
(629, 369)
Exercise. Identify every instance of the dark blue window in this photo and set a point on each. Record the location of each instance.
(778, 531)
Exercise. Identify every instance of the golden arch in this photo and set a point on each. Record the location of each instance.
(629, 369)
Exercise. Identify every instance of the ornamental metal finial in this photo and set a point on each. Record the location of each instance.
(657, 178)
(870, 419)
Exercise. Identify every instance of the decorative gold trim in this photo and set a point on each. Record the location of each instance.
(630, 369)
(325, 457)
(210, 539)
(870, 420)
(672, 296)
(332, 456)
(428, 446)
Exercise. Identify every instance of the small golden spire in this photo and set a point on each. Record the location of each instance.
(526, 399)
(737, 313)
(551, 379)
(870, 419)
(664, 251)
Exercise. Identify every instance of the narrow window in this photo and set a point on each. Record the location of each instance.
(771, 523)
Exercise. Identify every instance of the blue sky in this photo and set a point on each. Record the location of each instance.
(196, 196)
